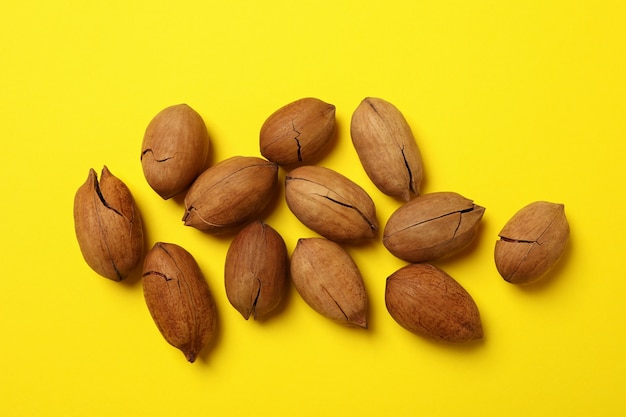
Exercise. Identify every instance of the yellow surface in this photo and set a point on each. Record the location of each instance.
(511, 102)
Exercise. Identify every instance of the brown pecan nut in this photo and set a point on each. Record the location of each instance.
(532, 242)
(230, 194)
(298, 133)
(330, 204)
(428, 302)
(174, 150)
(255, 270)
(108, 226)
(432, 226)
(178, 298)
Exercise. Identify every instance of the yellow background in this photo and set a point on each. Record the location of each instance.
(511, 102)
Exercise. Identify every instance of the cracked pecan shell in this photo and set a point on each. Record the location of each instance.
(329, 281)
(108, 225)
(298, 133)
(330, 204)
(230, 194)
(255, 270)
(174, 150)
(432, 226)
(532, 242)
(178, 298)
(387, 148)
(428, 302)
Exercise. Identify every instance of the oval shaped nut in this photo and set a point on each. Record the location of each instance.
(532, 242)
(174, 150)
(108, 225)
(329, 281)
(432, 226)
(428, 302)
(230, 194)
(330, 204)
(178, 298)
(298, 133)
(255, 270)
(387, 148)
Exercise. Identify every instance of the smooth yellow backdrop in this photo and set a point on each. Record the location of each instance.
(511, 102)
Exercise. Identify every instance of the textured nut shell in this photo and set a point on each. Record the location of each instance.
(108, 226)
(330, 204)
(298, 133)
(255, 270)
(387, 148)
(174, 150)
(178, 298)
(428, 302)
(432, 226)
(532, 242)
(329, 281)
(230, 194)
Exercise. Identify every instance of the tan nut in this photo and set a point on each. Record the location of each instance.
(329, 281)
(387, 148)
